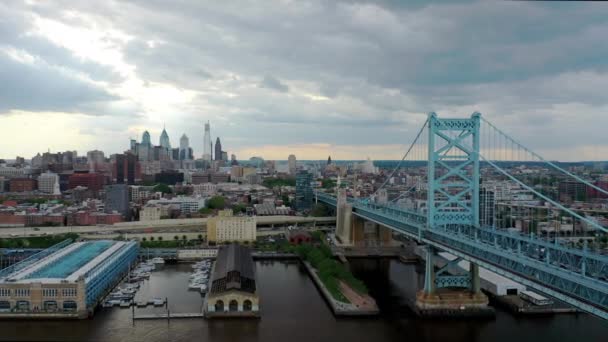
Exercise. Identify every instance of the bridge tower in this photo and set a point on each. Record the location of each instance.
(452, 199)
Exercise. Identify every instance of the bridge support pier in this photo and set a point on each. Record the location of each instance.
(448, 293)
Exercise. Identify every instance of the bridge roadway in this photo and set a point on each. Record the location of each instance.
(575, 276)
(196, 223)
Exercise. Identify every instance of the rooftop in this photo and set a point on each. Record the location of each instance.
(67, 263)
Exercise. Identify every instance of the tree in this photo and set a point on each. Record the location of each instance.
(216, 202)
(160, 238)
(176, 238)
(205, 211)
(152, 238)
(162, 187)
(239, 208)
(184, 237)
(144, 239)
(200, 237)
(319, 210)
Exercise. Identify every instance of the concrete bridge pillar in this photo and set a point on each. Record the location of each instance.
(429, 273)
(474, 273)
(344, 213)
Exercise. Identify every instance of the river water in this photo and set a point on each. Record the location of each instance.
(293, 311)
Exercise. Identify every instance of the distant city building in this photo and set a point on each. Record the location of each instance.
(207, 143)
(92, 181)
(126, 168)
(218, 149)
(49, 183)
(22, 185)
(150, 213)
(227, 228)
(233, 159)
(224, 155)
(95, 157)
(304, 192)
(169, 177)
(256, 161)
(117, 199)
(291, 162)
(185, 204)
(164, 140)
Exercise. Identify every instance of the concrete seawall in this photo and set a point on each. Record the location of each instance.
(338, 308)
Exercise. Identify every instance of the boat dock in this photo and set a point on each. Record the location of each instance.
(169, 315)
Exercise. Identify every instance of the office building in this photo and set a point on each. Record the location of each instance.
(126, 168)
(92, 181)
(304, 192)
(64, 281)
(22, 185)
(218, 149)
(49, 183)
(207, 143)
(117, 199)
(226, 228)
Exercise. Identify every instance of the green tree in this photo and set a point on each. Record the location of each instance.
(160, 238)
(176, 238)
(205, 211)
(184, 237)
(200, 237)
(216, 202)
(319, 210)
(239, 208)
(162, 187)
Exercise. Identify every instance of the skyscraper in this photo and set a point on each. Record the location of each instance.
(145, 139)
(218, 149)
(207, 143)
(304, 192)
(164, 140)
(184, 146)
(291, 161)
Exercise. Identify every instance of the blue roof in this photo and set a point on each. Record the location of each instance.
(73, 261)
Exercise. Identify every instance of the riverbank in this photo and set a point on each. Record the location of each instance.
(342, 308)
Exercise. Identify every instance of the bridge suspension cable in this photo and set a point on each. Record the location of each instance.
(411, 147)
(521, 149)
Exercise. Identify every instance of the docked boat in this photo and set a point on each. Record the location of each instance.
(158, 301)
(142, 304)
(125, 304)
(158, 260)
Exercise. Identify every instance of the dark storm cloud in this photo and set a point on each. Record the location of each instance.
(376, 63)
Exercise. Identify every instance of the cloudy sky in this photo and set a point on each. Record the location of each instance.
(347, 78)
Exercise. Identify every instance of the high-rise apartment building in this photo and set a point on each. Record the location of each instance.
(291, 162)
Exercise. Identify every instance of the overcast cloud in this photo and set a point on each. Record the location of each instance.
(347, 78)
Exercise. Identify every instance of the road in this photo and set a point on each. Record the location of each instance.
(162, 225)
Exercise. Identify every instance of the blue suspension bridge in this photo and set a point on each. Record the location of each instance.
(455, 216)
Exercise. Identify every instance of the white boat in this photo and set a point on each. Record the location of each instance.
(112, 302)
(158, 260)
(158, 301)
(203, 288)
(125, 304)
(129, 291)
(194, 286)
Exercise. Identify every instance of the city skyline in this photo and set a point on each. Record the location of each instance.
(347, 79)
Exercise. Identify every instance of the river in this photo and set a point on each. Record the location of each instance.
(293, 311)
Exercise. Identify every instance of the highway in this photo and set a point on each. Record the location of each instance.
(153, 226)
